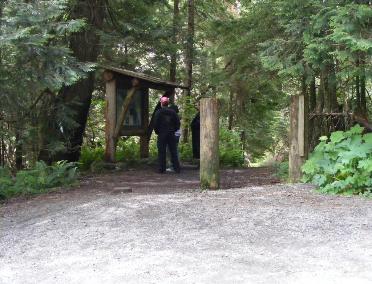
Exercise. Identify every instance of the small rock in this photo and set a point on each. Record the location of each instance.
(122, 189)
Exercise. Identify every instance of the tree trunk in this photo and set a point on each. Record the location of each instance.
(231, 110)
(209, 144)
(2, 144)
(363, 98)
(304, 118)
(332, 88)
(2, 152)
(320, 98)
(189, 64)
(312, 93)
(18, 150)
(313, 127)
(173, 63)
(85, 46)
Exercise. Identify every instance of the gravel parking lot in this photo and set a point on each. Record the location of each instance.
(256, 234)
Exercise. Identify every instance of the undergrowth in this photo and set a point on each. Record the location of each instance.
(40, 179)
(282, 170)
(128, 152)
(342, 164)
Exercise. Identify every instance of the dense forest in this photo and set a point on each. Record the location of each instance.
(252, 55)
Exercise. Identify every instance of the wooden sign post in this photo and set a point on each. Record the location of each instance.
(209, 144)
(127, 107)
(297, 136)
(110, 114)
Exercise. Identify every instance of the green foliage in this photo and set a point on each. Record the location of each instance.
(89, 156)
(231, 148)
(185, 152)
(37, 180)
(128, 150)
(36, 63)
(342, 163)
(282, 170)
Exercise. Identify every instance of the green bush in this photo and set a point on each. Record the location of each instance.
(342, 164)
(128, 150)
(282, 170)
(90, 156)
(231, 148)
(6, 183)
(185, 152)
(231, 153)
(37, 180)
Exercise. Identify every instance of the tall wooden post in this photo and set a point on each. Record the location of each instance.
(298, 143)
(144, 147)
(110, 114)
(209, 144)
(144, 141)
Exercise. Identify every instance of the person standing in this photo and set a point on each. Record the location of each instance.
(166, 123)
(195, 131)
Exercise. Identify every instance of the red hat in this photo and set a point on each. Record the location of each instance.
(164, 101)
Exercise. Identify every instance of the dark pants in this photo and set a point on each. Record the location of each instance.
(196, 143)
(164, 140)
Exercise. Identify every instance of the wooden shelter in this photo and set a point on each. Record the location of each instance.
(127, 107)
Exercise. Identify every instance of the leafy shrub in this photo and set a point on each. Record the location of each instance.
(6, 182)
(89, 156)
(37, 180)
(185, 152)
(231, 153)
(231, 148)
(128, 150)
(282, 170)
(342, 164)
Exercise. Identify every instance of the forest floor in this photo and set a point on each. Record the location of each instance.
(141, 227)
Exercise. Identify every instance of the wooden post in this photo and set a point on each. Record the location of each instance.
(209, 144)
(144, 147)
(110, 114)
(144, 141)
(297, 152)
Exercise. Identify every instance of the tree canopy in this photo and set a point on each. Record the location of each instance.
(252, 55)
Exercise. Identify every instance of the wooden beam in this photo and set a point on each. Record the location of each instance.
(209, 144)
(110, 114)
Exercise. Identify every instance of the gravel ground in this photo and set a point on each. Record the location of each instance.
(259, 234)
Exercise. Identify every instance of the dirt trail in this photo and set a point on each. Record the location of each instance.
(260, 233)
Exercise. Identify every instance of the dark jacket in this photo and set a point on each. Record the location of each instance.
(166, 121)
(151, 125)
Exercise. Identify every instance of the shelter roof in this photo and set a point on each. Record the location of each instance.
(153, 82)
